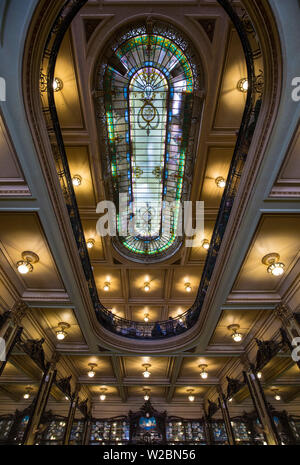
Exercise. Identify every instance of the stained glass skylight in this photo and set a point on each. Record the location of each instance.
(148, 95)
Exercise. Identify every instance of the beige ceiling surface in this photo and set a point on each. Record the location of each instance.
(276, 233)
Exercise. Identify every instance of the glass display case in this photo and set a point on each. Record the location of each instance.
(218, 430)
(179, 431)
(112, 431)
(77, 431)
(295, 428)
(54, 432)
(6, 423)
(242, 432)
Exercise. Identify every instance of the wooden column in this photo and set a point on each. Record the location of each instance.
(260, 403)
(41, 401)
(226, 417)
(71, 415)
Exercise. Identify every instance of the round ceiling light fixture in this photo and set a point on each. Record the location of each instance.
(102, 394)
(91, 372)
(191, 397)
(25, 266)
(90, 243)
(146, 394)
(146, 373)
(205, 244)
(106, 287)
(76, 180)
(61, 332)
(274, 266)
(203, 372)
(188, 287)
(221, 182)
(243, 85)
(57, 84)
(28, 392)
(236, 335)
(146, 286)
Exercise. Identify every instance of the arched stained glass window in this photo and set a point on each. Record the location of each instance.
(149, 85)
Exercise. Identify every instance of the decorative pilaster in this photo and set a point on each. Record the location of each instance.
(41, 400)
(226, 417)
(71, 415)
(260, 403)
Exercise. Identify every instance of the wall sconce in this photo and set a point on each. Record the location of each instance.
(146, 286)
(191, 397)
(76, 180)
(221, 182)
(147, 394)
(188, 287)
(106, 287)
(28, 392)
(236, 336)
(146, 373)
(243, 85)
(61, 333)
(205, 244)
(57, 84)
(203, 372)
(91, 372)
(90, 243)
(102, 394)
(25, 266)
(275, 267)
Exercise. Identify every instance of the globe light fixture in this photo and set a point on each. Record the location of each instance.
(76, 180)
(90, 243)
(146, 373)
(102, 394)
(147, 394)
(221, 182)
(28, 392)
(188, 287)
(146, 317)
(203, 372)
(259, 374)
(274, 266)
(57, 84)
(205, 244)
(243, 85)
(146, 286)
(106, 287)
(25, 266)
(61, 331)
(236, 335)
(91, 372)
(276, 394)
(191, 397)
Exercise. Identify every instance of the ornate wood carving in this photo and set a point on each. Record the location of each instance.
(83, 408)
(266, 351)
(34, 348)
(209, 27)
(64, 384)
(234, 385)
(212, 408)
